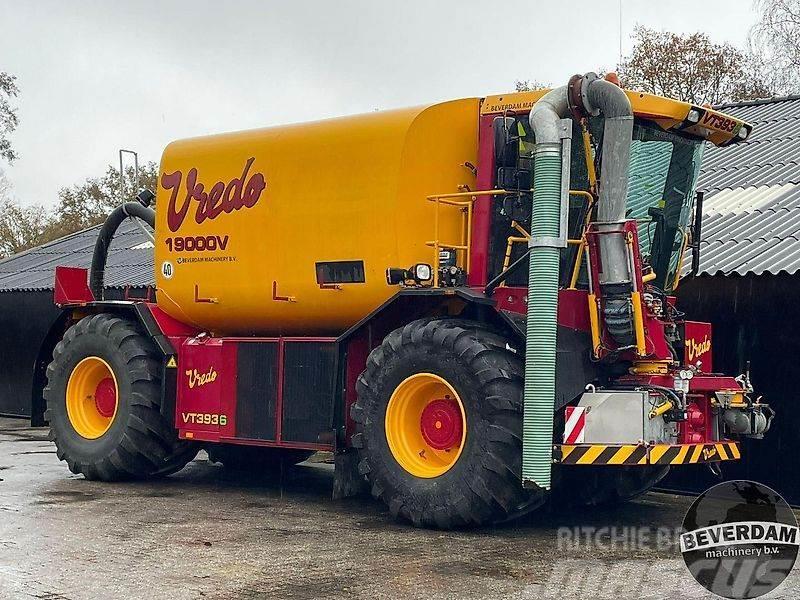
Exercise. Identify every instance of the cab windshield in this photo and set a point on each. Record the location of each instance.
(663, 173)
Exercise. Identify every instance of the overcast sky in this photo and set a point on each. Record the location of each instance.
(98, 76)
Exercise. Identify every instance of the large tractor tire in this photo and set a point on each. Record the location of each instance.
(255, 459)
(103, 398)
(439, 425)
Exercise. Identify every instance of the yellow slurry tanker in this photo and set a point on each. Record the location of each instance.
(470, 303)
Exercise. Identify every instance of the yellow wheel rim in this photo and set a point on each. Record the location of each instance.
(92, 395)
(426, 425)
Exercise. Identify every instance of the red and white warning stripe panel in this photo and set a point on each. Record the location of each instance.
(575, 426)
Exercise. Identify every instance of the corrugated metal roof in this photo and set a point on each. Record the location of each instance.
(751, 214)
(739, 200)
(130, 260)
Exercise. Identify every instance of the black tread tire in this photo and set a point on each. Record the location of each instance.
(484, 486)
(603, 485)
(141, 441)
(255, 459)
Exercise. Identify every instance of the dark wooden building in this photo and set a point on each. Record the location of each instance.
(749, 284)
(27, 312)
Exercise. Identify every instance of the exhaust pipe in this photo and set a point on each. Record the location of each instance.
(584, 95)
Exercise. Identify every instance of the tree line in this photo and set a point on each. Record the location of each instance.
(78, 207)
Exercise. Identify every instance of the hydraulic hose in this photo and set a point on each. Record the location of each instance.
(664, 391)
(106, 235)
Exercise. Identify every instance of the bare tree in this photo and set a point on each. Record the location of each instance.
(691, 68)
(79, 206)
(21, 227)
(87, 204)
(529, 85)
(776, 36)
(8, 115)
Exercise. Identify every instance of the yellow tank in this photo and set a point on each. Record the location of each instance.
(250, 225)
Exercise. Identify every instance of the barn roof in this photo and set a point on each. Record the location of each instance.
(751, 213)
(130, 260)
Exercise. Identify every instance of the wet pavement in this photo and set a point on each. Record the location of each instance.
(208, 533)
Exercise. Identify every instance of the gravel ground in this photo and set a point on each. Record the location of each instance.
(206, 533)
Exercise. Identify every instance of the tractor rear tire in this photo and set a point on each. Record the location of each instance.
(103, 399)
(255, 459)
(422, 377)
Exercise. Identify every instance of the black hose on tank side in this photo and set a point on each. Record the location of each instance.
(107, 231)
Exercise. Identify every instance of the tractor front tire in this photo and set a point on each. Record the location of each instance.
(439, 425)
(103, 399)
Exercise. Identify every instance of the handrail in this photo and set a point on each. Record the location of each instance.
(679, 268)
(476, 193)
(466, 206)
(576, 267)
(581, 193)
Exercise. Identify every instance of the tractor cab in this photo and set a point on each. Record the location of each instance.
(665, 157)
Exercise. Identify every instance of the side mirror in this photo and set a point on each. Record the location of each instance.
(506, 142)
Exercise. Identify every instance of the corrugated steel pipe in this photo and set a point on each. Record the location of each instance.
(106, 234)
(610, 100)
(540, 349)
(603, 97)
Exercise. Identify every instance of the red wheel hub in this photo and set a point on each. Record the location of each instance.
(105, 397)
(441, 424)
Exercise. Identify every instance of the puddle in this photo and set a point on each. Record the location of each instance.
(65, 497)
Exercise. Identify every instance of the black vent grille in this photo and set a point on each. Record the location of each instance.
(257, 390)
(308, 390)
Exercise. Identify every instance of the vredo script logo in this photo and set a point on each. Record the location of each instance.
(197, 379)
(236, 194)
(697, 349)
(741, 539)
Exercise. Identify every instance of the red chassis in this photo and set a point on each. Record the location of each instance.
(244, 390)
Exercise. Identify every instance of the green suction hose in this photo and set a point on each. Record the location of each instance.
(540, 347)
(588, 95)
